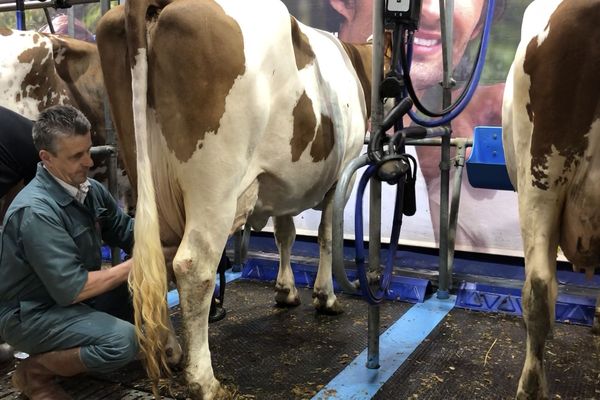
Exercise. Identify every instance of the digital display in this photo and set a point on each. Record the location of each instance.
(398, 5)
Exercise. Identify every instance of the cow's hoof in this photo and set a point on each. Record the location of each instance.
(323, 305)
(224, 394)
(532, 385)
(215, 391)
(174, 352)
(522, 395)
(286, 297)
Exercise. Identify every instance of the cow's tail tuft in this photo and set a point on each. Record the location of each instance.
(148, 279)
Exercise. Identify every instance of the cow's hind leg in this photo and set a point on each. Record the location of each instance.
(285, 233)
(539, 299)
(195, 267)
(324, 298)
(596, 326)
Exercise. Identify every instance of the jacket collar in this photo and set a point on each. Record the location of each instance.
(56, 191)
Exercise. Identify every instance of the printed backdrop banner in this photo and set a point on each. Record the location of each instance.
(488, 219)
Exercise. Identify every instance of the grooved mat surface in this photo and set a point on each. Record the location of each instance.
(259, 351)
(473, 355)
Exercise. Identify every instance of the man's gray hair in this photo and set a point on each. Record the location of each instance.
(58, 121)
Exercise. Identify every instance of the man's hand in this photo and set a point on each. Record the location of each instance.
(102, 281)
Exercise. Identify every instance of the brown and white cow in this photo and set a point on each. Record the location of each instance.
(240, 113)
(551, 133)
(40, 70)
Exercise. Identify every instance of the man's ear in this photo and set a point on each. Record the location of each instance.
(45, 156)
(343, 8)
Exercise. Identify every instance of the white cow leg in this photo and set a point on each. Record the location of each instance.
(195, 267)
(324, 298)
(539, 300)
(285, 288)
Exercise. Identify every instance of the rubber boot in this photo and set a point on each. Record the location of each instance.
(34, 376)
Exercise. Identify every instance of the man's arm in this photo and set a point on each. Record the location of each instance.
(102, 281)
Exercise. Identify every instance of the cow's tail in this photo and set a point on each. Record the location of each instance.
(148, 280)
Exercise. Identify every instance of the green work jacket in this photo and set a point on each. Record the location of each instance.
(50, 241)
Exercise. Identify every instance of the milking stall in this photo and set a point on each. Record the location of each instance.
(447, 282)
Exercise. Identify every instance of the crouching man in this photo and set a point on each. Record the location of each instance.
(53, 294)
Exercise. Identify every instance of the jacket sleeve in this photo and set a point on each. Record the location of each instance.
(116, 225)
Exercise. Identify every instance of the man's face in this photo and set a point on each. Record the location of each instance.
(72, 160)
(426, 69)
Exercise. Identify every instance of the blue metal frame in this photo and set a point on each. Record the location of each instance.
(402, 288)
(480, 297)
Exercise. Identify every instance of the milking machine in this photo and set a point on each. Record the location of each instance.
(386, 159)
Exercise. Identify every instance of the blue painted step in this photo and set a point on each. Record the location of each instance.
(402, 288)
(480, 297)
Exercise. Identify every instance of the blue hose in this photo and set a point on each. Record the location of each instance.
(20, 15)
(377, 296)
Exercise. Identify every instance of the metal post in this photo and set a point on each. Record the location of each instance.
(461, 150)
(375, 186)
(374, 224)
(104, 6)
(237, 250)
(71, 22)
(113, 185)
(446, 21)
(20, 8)
(241, 239)
(373, 345)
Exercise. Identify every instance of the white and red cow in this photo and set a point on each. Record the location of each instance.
(39, 70)
(551, 131)
(240, 112)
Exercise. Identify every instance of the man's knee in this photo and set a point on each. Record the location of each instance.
(117, 350)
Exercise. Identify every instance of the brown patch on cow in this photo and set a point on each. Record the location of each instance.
(39, 83)
(305, 124)
(361, 55)
(565, 87)
(190, 96)
(324, 140)
(5, 31)
(302, 50)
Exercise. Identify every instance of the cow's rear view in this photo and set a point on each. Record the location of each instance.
(239, 113)
(551, 136)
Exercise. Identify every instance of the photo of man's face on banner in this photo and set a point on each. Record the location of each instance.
(488, 219)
